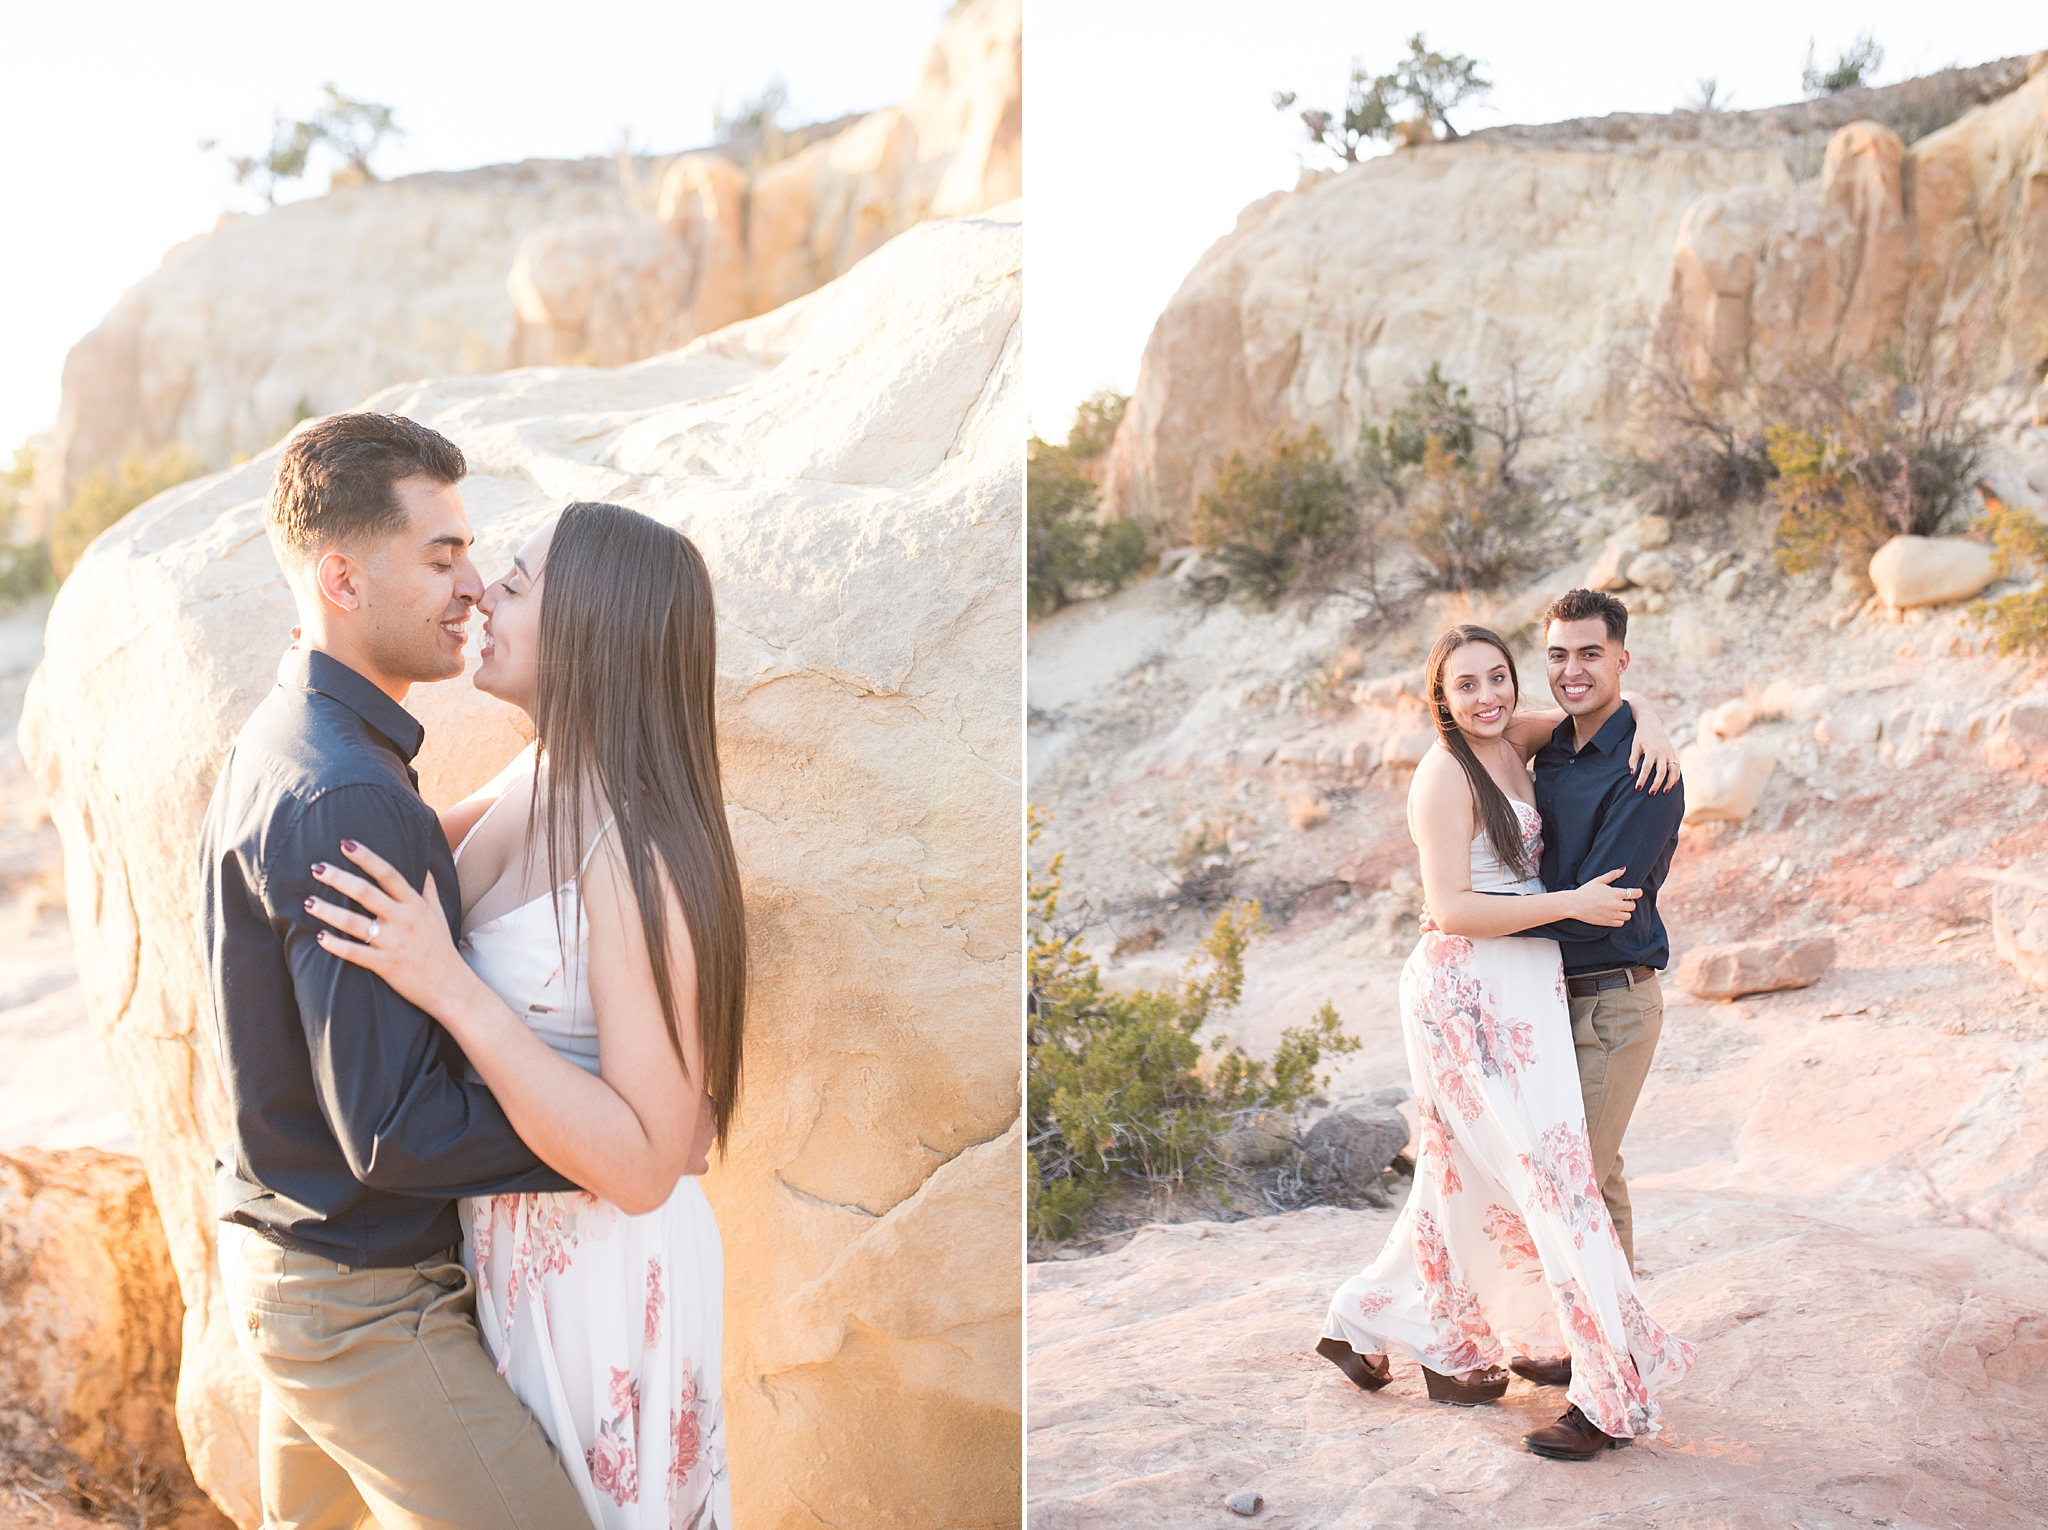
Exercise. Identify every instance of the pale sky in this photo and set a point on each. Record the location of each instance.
(102, 106)
(1149, 123)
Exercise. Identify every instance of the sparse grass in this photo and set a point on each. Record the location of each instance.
(102, 499)
(2019, 542)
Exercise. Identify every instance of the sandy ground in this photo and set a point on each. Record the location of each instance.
(56, 1090)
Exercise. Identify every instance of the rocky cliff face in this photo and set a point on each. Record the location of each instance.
(318, 304)
(849, 466)
(1733, 237)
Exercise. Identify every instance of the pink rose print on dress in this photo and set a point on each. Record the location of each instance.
(1561, 1181)
(1517, 1248)
(612, 1468)
(685, 1432)
(1436, 1149)
(1374, 1302)
(654, 1304)
(1464, 1341)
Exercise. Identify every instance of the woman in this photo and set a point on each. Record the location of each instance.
(1505, 1245)
(599, 989)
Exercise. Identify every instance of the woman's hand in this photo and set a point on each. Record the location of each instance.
(1652, 757)
(404, 937)
(1598, 902)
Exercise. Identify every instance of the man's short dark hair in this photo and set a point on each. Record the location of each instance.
(334, 480)
(1583, 605)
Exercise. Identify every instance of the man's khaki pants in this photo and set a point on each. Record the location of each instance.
(1615, 1033)
(381, 1407)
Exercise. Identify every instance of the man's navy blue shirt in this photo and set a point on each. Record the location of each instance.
(1594, 820)
(355, 1125)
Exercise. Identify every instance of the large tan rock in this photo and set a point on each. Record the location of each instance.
(849, 466)
(1745, 243)
(728, 243)
(89, 1325)
(2019, 921)
(1929, 571)
(315, 305)
(1723, 781)
(1754, 966)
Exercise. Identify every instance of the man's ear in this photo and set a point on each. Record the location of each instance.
(338, 580)
(1623, 667)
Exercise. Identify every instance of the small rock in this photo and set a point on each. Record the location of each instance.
(1796, 703)
(1068, 1253)
(1930, 571)
(2019, 922)
(1246, 1503)
(1391, 1096)
(1729, 582)
(1256, 1145)
(1354, 1146)
(1610, 569)
(1723, 781)
(1647, 533)
(1716, 565)
(1406, 749)
(1754, 966)
(1654, 571)
(1833, 729)
(1729, 720)
(1913, 876)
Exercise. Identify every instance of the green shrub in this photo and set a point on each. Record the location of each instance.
(24, 560)
(1411, 102)
(1693, 451)
(1863, 456)
(1115, 1089)
(2019, 540)
(1440, 477)
(1068, 552)
(1851, 70)
(103, 498)
(1269, 522)
(1095, 424)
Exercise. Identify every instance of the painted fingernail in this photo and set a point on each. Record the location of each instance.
(350, 846)
(309, 903)
(319, 868)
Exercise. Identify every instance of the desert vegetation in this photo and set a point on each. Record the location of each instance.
(1411, 102)
(24, 558)
(347, 129)
(105, 498)
(1122, 1090)
(1070, 550)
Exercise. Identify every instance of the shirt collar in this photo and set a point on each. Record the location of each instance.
(1610, 737)
(310, 670)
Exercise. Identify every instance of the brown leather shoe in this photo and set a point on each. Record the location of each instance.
(1574, 1437)
(1352, 1364)
(1545, 1373)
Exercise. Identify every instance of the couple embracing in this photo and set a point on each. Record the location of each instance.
(468, 1091)
(1530, 1017)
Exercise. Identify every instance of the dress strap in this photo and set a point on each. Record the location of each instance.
(486, 813)
(587, 854)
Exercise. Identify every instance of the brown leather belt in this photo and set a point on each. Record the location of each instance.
(1588, 984)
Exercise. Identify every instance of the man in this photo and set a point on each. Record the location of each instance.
(354, 1127)
(1596, 819)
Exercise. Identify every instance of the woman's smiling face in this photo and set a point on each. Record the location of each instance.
(1479, 690)
(510, 653)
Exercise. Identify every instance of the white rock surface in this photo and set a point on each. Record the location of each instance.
(1723, 781)
(849, 466)
(1929, 571)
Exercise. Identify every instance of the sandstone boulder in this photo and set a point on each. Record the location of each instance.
(89, 1326)
(1610, 569)
(1929, 571)
(1792, 701)
(1723, 781)
(1847, 728)
(1697, 641)
(1754, 966)
(1729, 720)
(1258, 1144)
(1646, 533)
(1353, 1147)
(1406, 750)
(849, 466)
(2019, 921)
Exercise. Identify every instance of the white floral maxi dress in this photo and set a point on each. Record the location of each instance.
(606, 1325)
(1505, 1247)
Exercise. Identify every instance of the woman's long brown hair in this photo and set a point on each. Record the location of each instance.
(628, 663)
(1496, 813)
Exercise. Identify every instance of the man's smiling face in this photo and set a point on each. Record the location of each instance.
(420, 586)
(1585, 666)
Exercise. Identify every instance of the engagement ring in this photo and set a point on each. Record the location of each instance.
(370, 938)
